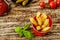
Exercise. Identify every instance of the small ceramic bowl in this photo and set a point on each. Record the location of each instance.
(39, 33)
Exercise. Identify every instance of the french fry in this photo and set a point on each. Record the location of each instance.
(43, 26)
(33, 21)
(45, 29)
(46, 22)
(38, 28)
(39, 20)
(38, 14)
(43, 17)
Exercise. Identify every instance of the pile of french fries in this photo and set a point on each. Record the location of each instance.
(41, 22)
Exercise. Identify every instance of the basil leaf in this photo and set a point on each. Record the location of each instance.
(21, 33)
(18, 29)
(28, 34)
(27, 26)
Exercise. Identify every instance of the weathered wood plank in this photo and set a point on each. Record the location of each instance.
(20, 16)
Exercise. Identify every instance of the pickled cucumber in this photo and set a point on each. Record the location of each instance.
(19, 1)
(25, 2)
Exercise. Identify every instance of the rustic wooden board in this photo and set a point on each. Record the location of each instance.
(20, 16)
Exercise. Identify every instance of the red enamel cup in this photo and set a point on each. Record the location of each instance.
(39, 33)
(4, 6)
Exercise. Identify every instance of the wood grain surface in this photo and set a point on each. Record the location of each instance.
(18, 15)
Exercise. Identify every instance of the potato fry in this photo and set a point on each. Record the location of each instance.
(33, 21)
(38, 28)
(48, 25)
(43, 26)
(46, 22)
(39, 20)
(43, 17)
(45, 29)
(38, 14)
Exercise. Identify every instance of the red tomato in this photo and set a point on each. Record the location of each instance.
(53, 4)
(50, 1)
(42, 4)
(58, 2)
(3, 8)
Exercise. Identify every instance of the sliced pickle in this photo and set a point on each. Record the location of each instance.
(19, 1)
(25, 2)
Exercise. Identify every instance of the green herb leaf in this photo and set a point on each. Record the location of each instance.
(26, 26)
(18, 29)
(28, 34)
(21, 33)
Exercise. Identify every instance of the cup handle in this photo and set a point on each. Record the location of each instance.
(6, 2)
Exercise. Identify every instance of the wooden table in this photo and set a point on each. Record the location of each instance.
(20, 16)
